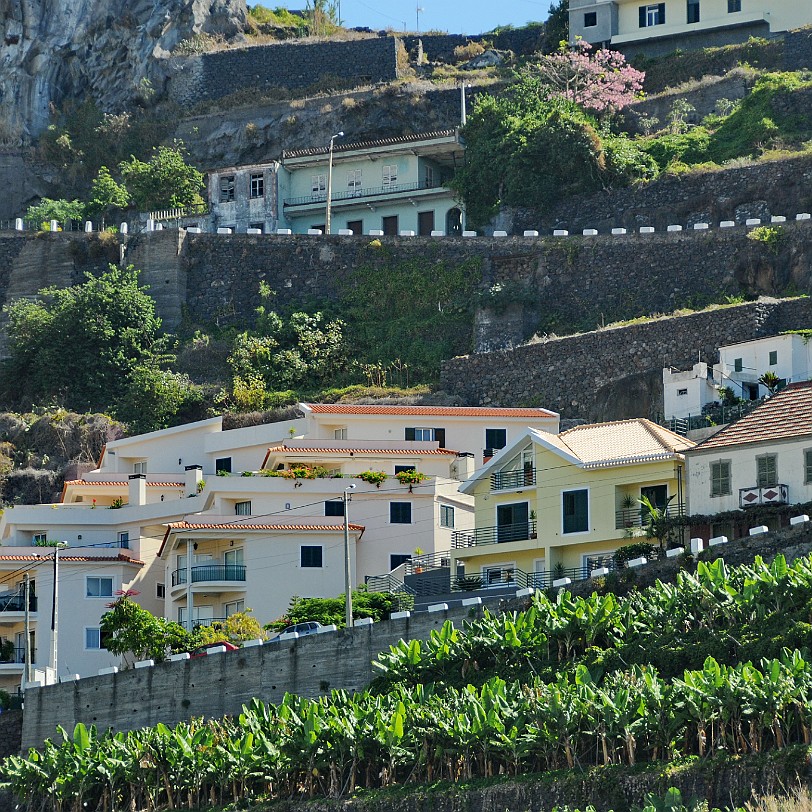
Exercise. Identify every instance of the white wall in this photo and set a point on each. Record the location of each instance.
(698, 390)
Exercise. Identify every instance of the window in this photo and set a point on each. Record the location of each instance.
(396, 559)
(399, 469)
(160, 591)
(354, 180)
(720, 478)
(258, 226)
(808, 466)
(425, 435)
(495, 439)
(140, 467)
(233, 607)
(390, 175)
(400, 513)
(681, 392)
(311, 556)
(738, 364)
(575, 509)
(96, 587)
(773, 357)
(227, 189)
(223, 464)
(693, 11)
(257, 185)
(243, 508)
(429, 176)
(93, 640)
(124, 540)
(590, 19)
(334, 507)
(39, 539)
(340, 434)
(318, 184)
(766, 471)
(733, 6)
(446, 516)
(653, 14)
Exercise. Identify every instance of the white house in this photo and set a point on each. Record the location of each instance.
(243, 197)
(659, 27)
(763, 458)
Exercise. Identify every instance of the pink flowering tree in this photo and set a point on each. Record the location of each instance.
(601, 81)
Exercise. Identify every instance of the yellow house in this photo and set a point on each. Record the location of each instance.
(555, 505)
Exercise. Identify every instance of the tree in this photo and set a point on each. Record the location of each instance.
(106, 194)
(129, 629)
(601, 80)
(557, 27)
(80, 345)
(323, 16)
(166, 181)
(236, 629)
(63, 211)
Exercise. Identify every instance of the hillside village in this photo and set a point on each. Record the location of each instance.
(420, 425)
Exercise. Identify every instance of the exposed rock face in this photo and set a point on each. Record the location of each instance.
(56, 49)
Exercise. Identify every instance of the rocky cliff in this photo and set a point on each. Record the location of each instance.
(110, 50)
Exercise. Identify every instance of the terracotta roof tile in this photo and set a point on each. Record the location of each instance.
(248, 525)
(426, 411)
(785, 415)
(104, 483)
(377, 452)
(122, 559)
(381, 142)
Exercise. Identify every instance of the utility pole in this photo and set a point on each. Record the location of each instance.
(29, 677)
(55, 612)
(347, 566)
(418, 17)
(330, 181)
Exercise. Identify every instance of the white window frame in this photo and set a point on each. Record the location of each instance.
(318, 184)
(99, 578)
(340, 433)
(428, 176)
(256, 180)
(233, 607)
(653, 15)
(429, 438)
(355, 180)
(140, 467)
(446, 509)
(240, 509)
(160, 591)
(389, 176)
(588, 511)
(96, 629)
(38, 538)
(301, 547)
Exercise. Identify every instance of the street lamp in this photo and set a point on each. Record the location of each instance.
(347, 573)
(330, 181)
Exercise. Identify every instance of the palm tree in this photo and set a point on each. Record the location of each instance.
(770, 381)
(655, 519)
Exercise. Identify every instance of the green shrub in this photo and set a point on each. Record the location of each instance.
(689, 148)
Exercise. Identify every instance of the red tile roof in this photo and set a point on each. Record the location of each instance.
(426, 411)
(377, 452)
(250, 526)
(784, 416)
(124, 484)
(122, 559)
(380, 142)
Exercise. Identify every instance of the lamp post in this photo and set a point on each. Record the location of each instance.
(347, 566)
(330, 181)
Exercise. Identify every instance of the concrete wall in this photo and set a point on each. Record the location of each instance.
(218, 685)
(288, 65)
(611, 374)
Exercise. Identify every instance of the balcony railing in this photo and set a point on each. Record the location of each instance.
(210, 572)
(505, 480)
(355, 194)
(493, 535)
(638, 517)
(15, 602)
(427, 561)
(16, 657)
(771, 495)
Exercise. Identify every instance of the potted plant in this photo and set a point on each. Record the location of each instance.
(533, 532)
(418, 551)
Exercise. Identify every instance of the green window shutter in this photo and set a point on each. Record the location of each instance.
(642, 16)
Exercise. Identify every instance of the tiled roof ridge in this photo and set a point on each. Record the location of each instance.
(601, 425)
(74, 558)
(664, 435)
(184, 525)
(416, 409)
(380, 142)
(162, 484)
(339, 450)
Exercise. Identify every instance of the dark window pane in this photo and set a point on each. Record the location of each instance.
(400, 512)
(311, 556)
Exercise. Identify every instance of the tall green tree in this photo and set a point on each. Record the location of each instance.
(557, 27)
(79, 346)
(61, 210)
(106, 194)
(166, 181)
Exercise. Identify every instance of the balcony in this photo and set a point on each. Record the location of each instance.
(502, 534)
(15, 602)
(16, 657)
(638, 517)
(771, 495)
(206, 573)
(508, 480)
(336, 198)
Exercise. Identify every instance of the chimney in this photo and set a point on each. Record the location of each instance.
(138, 489)
(194, 476)
(463, 467)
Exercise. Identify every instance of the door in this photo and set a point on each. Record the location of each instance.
(512, 522)
(390, 226)
(425, 223)
(356, 226)
(233, 559)
(453, 222)
(656, 494)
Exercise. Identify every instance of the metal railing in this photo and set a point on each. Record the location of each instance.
(427, 561)
(179, 213)
(16, 657)
(15, 602)
(500, 534)
(639, 517)
(210, 572)
(202, 621)
(504, 480)
(321, 197)
(768, 495)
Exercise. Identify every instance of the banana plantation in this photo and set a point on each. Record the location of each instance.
(522, 693)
